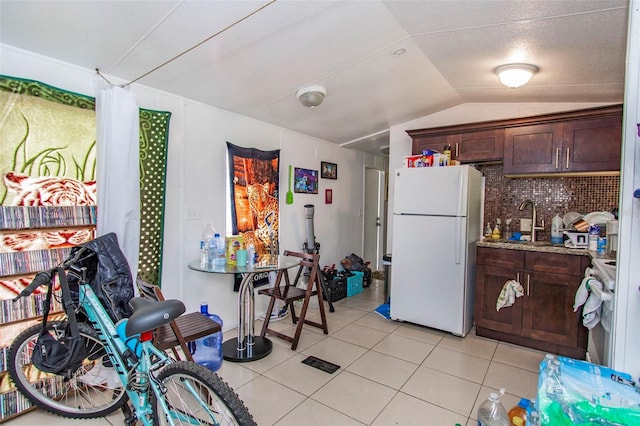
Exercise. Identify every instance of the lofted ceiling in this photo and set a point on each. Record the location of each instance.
(256, 67)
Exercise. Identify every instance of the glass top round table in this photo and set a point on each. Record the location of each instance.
(247, 346)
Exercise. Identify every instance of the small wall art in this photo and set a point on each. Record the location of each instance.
(328, 196)
(329, 170)
(305, 181)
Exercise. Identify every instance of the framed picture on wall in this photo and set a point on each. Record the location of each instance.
(328, 196)
(329, 170)
(305, 181)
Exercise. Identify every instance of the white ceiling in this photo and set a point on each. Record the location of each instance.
(255, 67)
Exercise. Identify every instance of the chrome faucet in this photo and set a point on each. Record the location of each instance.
(534, 218)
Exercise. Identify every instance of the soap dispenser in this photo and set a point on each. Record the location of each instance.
(495, 234)
(507, 229)
(487, 230)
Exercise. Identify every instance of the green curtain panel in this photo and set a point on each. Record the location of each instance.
(48, 132)
(154, 140)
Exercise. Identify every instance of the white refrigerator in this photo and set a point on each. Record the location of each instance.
(436, 223)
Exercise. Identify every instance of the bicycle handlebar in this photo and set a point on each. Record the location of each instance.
(45, 277)
(41, 278)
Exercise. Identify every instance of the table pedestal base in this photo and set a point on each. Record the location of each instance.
(260, 349)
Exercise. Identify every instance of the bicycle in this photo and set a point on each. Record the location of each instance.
(122, 368)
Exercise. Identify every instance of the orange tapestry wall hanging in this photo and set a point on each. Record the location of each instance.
(254, 181)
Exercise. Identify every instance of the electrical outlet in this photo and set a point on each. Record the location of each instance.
(193, 213)
(525, 225)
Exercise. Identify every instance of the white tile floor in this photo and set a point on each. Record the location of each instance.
(391, 374)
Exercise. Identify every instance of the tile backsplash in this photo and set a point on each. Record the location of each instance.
(551, 195)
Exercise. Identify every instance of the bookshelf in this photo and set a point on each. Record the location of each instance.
(32, 239)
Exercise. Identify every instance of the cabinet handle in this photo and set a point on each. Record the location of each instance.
(518, 277)
(457, 149)
(567, 158)
(557, 157)
(528, 279)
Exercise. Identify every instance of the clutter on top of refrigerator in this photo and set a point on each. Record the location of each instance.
(429, 158)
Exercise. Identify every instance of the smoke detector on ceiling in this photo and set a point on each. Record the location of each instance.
(384, 149)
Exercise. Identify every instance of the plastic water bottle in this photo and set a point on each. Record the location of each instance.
(556, 226)
(207, 351)
(533, 417)
(251, 254)
(133, 341)
(553, 382)
(205, 241)
(491, 412)
(218, 251)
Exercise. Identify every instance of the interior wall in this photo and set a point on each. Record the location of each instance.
(196, 179)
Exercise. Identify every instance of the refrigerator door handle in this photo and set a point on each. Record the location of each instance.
(458, 241)
(460, 195)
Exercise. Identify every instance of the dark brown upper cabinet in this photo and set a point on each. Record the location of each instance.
(467, 147)
(576, 142)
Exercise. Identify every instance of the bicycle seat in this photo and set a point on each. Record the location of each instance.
(148, 314)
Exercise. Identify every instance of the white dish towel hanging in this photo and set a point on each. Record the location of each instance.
(510, 291)
(591, 296)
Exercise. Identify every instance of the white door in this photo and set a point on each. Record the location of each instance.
(373, 218)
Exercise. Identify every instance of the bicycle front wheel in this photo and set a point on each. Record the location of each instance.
(94, 390)
(194, 394)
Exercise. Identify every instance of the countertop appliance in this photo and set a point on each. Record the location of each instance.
(600, 342)
(436, 223)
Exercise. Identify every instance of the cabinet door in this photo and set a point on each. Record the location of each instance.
(489, 283)
(547, 310)
(435, 143)
(532, 149)
(592, 145)
(479, 146)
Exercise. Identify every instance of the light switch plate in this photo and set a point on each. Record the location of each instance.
(525, 225)
(193, 213)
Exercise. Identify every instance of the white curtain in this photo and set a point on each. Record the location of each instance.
(118, 170)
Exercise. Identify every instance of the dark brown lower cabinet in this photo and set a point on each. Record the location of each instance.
(543, 318)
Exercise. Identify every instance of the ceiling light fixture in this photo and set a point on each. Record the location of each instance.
(515, 75)
(311, 96)
(400, 51)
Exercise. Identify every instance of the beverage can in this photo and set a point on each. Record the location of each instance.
(234, 243)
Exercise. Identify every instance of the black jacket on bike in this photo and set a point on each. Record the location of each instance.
(108, 274)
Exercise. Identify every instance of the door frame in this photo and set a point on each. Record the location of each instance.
(377, 179)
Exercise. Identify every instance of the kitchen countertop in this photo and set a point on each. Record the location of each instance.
(541, 246)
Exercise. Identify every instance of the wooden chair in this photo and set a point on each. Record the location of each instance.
(179, 332)
(289, 293)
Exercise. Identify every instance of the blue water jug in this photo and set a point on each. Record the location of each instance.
(207, 351)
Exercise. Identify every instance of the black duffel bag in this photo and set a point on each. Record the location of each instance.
(353, 262)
